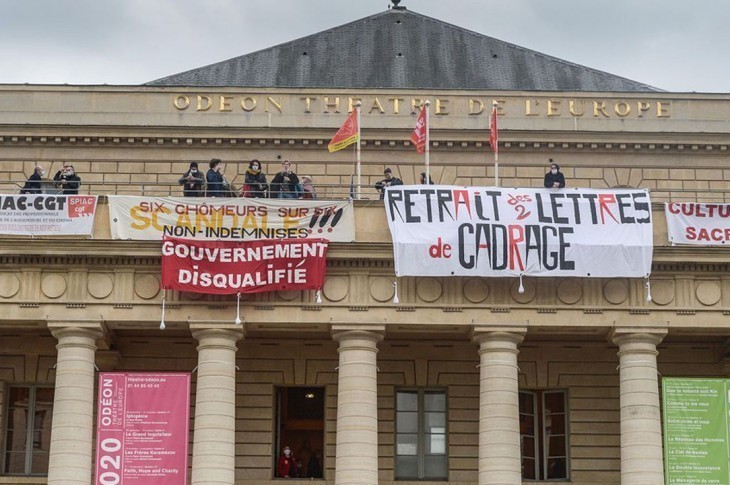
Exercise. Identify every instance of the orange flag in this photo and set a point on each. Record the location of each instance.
(346, 135)
(418, 138)
(493, 138)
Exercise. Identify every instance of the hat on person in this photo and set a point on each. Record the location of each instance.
(307, 178)
(387, 170)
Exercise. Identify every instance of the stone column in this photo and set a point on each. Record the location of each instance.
(357, 405)
(214, 435)
(73, 403)
(500, 459)
(641, 427)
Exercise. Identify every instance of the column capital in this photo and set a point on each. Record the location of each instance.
(375, 333)
(61, 328)
(638, 335)
(221, 329)
(512, 334)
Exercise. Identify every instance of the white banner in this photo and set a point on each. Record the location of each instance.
(493, 231)
(230, 219)
(47, 215)
(698, 224)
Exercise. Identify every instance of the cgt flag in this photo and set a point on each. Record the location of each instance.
(418, 138)
(346, 135)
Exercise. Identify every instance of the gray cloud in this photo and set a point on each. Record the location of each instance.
(678, 46)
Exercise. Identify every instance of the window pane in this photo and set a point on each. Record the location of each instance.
(556, 423)
(44, 397)
(528, 468)
(435, 420)
(434, 401)
(435, 444)
(407, 444)
(407, 422)
(528, 446)
(556, 468)
(406, 467)
(407, 401)
(554, 402)
(14, 463)
(435, 467)
(527, 403)
(40, 463)
(556, 446)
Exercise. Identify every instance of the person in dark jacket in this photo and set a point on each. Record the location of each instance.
(33, 184)
(67, 180)
(255, 181)
(422, 180)
(388, 181)
(554, 179)
(193, 182)
(214, 178)
(286, 183)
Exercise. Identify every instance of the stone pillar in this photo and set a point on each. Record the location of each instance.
(214, 435)
(500, 458)
(641, 427)
(356, 461)
(71, 447)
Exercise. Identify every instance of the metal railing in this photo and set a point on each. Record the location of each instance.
(328, 191)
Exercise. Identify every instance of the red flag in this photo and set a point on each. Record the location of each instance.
(493, 138)
(418, 138)
(346, 135)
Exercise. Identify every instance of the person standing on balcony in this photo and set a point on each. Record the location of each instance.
(286, 183)
(287, 465)
(388, 181)
(308, 190)
(215, 180)
(255, 181)
(33, 184)
(554, 179)
(67, 180)
(193, 182)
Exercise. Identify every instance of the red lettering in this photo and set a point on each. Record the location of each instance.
(516, 235)
(603, 201)
(461, 197)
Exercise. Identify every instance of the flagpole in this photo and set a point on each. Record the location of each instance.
(357, 153)
(496, 145)
(428, 143)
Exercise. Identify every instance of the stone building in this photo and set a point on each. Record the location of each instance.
(423, 389)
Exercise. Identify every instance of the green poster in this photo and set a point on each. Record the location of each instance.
(696, 431)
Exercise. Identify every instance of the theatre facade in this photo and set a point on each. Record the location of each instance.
(462, 380)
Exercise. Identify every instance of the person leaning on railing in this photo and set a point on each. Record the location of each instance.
(214, 177)
(67, 180)
(254, 181)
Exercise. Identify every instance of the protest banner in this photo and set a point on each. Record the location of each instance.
(151, 218)
(492, 231)
(47, 215)
(697, 223)
(142, 429)
(230, 267)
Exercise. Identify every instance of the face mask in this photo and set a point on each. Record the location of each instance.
(287, 452)
(193, 170)
(43, 173)
(553, 171)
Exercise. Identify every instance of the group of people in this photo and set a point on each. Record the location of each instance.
(290, 467)
(66, 181)
(285, 185)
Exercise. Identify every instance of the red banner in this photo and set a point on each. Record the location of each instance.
(230, 267)
(418, 137)
(142, 429)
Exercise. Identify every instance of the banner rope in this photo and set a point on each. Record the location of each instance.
(238, 308)
(648, 288)
(396, 300)
(318, 297)
(162, 320)
(521, 289)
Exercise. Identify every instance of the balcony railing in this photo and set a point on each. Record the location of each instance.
(324, 191)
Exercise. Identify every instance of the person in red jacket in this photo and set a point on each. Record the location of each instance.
(287, 465)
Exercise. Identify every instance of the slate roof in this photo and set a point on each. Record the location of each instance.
(400, 48)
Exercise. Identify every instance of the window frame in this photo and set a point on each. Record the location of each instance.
(541, 437)
(422, 434)
(30, 431)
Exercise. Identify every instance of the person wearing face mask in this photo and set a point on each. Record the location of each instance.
(193, 181)
(554, 179)
(255, 181)
(33, 184)
(214, 177)
(388, 181)
(287, 465)
(67, 180)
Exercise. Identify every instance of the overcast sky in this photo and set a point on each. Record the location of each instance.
(670, 44)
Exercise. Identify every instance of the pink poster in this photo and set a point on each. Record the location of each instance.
(142, 429)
